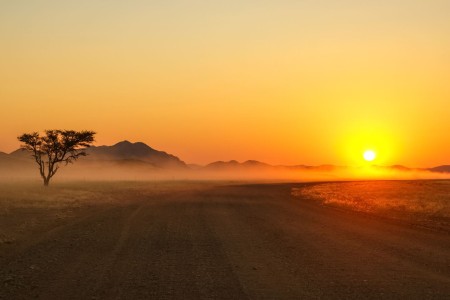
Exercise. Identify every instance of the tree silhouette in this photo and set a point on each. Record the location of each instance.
(54, 147)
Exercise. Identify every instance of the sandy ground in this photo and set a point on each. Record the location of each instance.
(208, 241)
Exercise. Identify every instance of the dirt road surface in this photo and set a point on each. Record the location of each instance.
(222, 242)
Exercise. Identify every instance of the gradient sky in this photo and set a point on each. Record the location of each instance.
(285, 82)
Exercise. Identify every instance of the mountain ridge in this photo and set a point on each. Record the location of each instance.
(126, 152)
(137, 151)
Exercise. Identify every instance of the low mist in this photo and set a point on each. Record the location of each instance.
(101, 170)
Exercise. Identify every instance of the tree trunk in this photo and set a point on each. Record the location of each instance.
(46, 181)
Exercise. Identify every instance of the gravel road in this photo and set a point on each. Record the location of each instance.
(225, 242)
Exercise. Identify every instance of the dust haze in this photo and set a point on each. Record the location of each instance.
(103, 170)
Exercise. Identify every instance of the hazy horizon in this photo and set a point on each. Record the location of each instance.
(361, 165)
(138, 162)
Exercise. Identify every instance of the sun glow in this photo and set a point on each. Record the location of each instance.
(369, 155)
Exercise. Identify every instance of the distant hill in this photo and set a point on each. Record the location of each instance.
(20, 154)
(123, 156)
(4, 157)
(17, 164)
(134, 152)
(235, 165)
(18, 157)
(399, 168)
(441, 169)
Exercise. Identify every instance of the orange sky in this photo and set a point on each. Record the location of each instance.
(285, 82)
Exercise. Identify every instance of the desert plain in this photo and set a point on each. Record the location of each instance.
(223, 240)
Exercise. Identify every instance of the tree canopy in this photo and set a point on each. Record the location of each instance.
(55, 147)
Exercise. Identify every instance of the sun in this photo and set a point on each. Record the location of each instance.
(369, 155)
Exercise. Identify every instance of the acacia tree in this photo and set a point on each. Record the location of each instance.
(55, 147)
